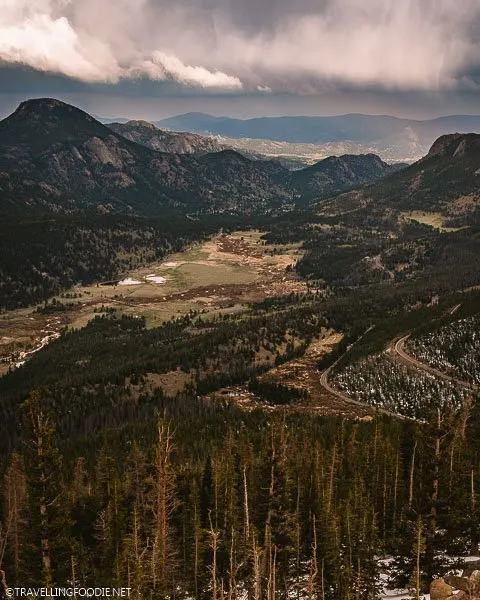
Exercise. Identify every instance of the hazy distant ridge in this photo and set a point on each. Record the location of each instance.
(390, 137)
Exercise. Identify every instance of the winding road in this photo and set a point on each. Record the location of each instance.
(325, 383)
(399, 348)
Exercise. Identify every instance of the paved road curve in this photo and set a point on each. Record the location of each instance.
(399, 349)
(325, 383)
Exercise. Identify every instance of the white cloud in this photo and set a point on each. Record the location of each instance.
(163, 66)
(52, 44)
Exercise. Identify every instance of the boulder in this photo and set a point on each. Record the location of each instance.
(470, 567)
(461, 583)
(439, 590)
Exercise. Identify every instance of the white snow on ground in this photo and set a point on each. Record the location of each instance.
(129, 281)
(155, 278)
(405, 594)
(169, 265)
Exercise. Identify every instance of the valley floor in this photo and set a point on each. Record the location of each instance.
(218, 276)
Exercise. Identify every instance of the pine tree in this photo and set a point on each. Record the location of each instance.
(417, 581)
(14, 506)
(164, 504)
(45, 548)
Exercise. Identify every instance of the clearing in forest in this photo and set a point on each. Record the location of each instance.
(220, 275)
(301, 374)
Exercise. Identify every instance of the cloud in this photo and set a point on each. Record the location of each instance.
(393, 44)
(52, 45)
(163, 66)
(49, 44)
(258, 46)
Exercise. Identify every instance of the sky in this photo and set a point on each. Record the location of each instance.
(156, 58)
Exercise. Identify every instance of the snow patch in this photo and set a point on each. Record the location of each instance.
(156, 278)
(129, 281)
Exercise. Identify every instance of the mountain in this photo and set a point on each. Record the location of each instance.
(71, 187)
(445, 182)
(333, 174)
(337, 173)
(445, 178)
(360, 128)
(393, 139)
(78, 163)
(148, 135)
(94, 167)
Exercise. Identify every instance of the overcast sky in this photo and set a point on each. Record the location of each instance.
(155, 58)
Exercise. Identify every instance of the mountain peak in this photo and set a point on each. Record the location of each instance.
(45, 106)
(141, 123)
(454, 144)
(440, 146)
(40, 122)
(45, 102)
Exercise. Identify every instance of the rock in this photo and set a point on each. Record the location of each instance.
(470, 567)
(439, 590)
(470, 585)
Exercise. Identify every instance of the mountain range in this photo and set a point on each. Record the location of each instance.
(93, 167)
(58, 158)
(392, 138)
(72, 187)
(77, 163)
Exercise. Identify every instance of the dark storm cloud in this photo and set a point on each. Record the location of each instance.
(249, 46)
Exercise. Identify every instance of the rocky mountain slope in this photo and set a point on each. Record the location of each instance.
(148, 135)
(93, 167)
(446, 182)
(337, 173)
(145, 133)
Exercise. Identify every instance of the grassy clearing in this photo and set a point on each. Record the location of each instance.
(432, 219)
(219, 276)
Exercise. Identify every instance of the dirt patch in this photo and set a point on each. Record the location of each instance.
(171, 383)
(301, 374)
(464, 205)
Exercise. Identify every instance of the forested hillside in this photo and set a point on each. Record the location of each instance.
(42, 257)
(287, 409)
(443, 184)
(210, 498)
